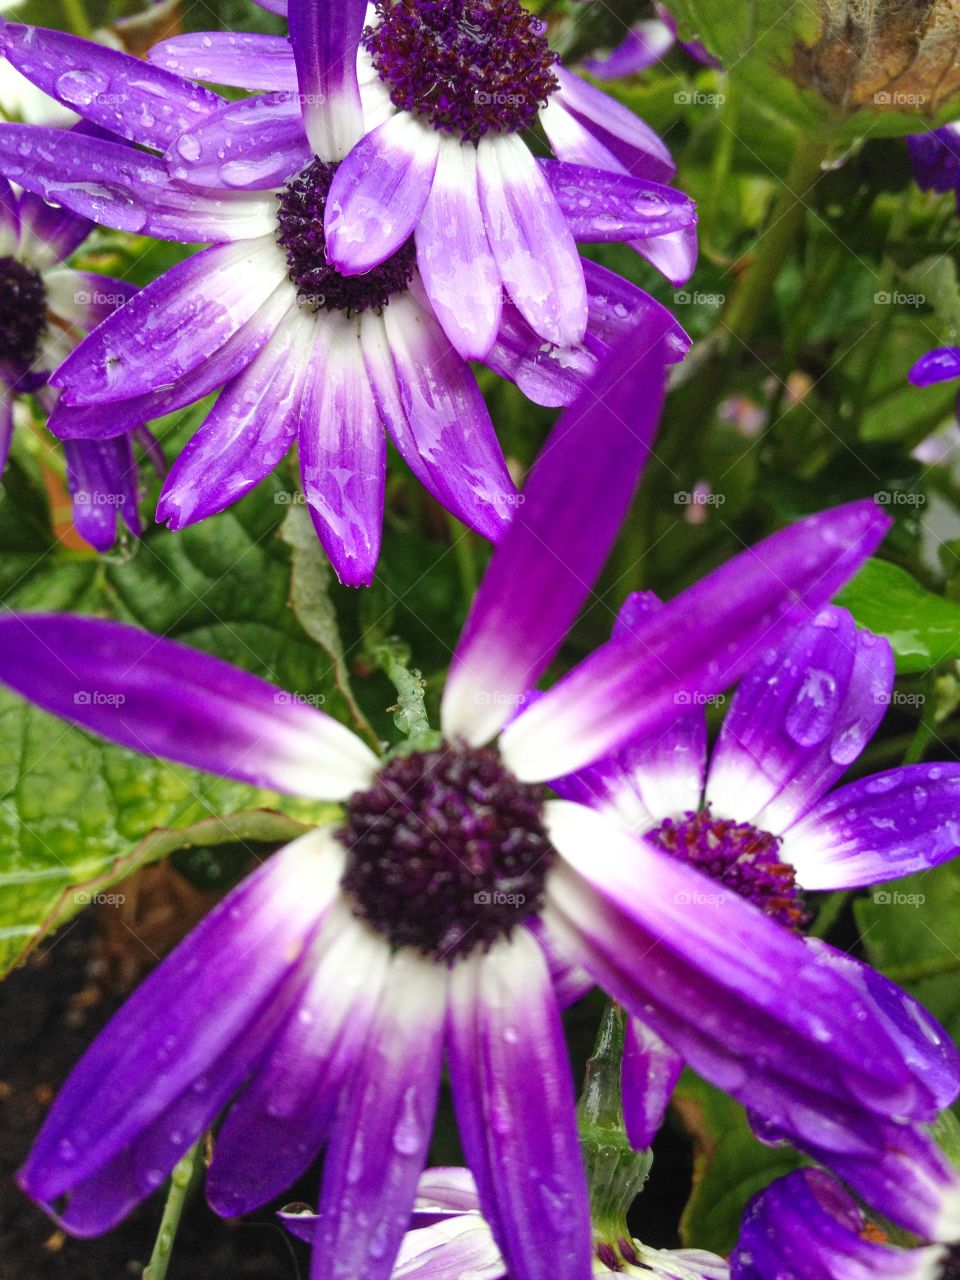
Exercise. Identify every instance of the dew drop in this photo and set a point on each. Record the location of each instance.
(80, 87)
(408, 1135)
(813, 708)
(189, 147)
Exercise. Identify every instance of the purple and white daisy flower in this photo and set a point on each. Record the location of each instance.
(303, 353)
(447, 91)
(447, 916)
(449, 1238)
(46, 308)
(806, 1227)
(761, 821)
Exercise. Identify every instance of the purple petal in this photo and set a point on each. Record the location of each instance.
(461, 1248)
(447, 1190)
(111, 89)
(454, 255)
(637, 147)
(936, 366)
(48, 235)
(98, 421)
(799, 719)
(745, 1001)
(254, 144)
(325, 39)
(698, 644)
(179, 1022)
(807, 1227)
(343, 458)
(84, 299)
(166, 699)
(9, 220)
(248, 431)
(614, 302)
(383, 1127)
(935, 157)
(531, 241)
(136, 192)
(570, 982)
(102, 479)
(601, 207)
(174, 324)
(436, 416)
(521, 1143)
(649, 1075)
(652, 777)
(645, 44)
(926, 1047)
(674, 255)
(246, 60)
(276, 1128)
(880, 828)
(378, 194)
(548, 560)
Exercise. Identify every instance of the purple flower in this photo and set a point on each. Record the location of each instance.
(301, 351)
(451, 910)
(935, 157)
(446, 91)
(46, 308)
(646, 44)
(939, 365)
(759, 822)
(450, 1239)
(804, 1227)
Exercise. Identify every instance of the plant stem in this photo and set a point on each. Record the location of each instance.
(77, 18)
(462, 542)
(755, 286)
(180, 1183)
(829, 913)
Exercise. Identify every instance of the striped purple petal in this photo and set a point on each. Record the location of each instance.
(325, 39)
(244, 59)
(166, 699)
(601, 207)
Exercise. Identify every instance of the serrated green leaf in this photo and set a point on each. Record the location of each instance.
(924, 629)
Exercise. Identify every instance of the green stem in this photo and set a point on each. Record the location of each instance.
(410, 714)
(462, 541)
(77, 18)
(180, 1182)
(934, 967)
(829, 913)
(755, 287)
(926, 730)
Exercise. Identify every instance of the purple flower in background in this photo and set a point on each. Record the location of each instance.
(447, 915)
(646, 44)
(46, 308)
(940, 365)
(447, 91)
(450, 1239)
(761, 822)
(303, 353)
(935, 157)
(806, 1227)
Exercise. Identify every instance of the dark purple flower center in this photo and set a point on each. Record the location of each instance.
(446, 852)
(741, 858)
(470, 67)
(23, 311)
(300, 233)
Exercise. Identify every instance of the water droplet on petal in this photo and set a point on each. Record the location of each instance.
(814, 706)
(80, 87)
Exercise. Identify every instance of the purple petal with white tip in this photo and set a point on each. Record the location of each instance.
(255, 144)
(698, 645)
(521, 1143)
(102, 479)
(880, 828)
(638, 148)
(454, 255)
(601, 207)
(798, 720)
(246, 60)
(383, 1126)
(674, 255)
(554, 549)
(170, 700)
(325, 39)
(111, 89)
(649, 1074)
(378, 194)
(645, 44)
(135, 192)
(198, 1003)
(531, 242)
(343, 458)
(277, 1126)
(436, 416)
(169, 328)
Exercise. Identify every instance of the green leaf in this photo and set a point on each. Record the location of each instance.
(730, 1164)
(923, 628)
(78, 815)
